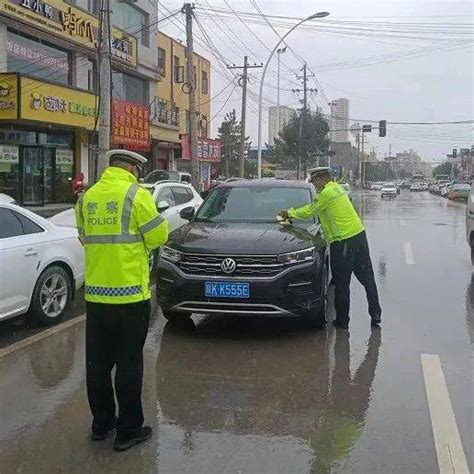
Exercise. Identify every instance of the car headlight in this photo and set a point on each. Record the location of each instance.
(307, 255)
(171, 254)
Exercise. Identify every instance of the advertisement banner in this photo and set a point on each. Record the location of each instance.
(8, 96)
(69, 23)
(209, 149)
(9, 156)
(64, 160)
(51, 103)
(131, 125)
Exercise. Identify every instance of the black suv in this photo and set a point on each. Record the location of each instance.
(235, 258)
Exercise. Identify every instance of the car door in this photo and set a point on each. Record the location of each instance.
(19, 260)
(165, 194)
(184, 198)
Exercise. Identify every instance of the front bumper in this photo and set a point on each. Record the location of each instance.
(294, 291)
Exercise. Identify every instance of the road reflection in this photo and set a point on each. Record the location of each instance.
(470, 309)
(250, 378)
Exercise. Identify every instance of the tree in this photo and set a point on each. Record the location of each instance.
(378, 171)
(315, 141)
(229, 135)
(445, 168)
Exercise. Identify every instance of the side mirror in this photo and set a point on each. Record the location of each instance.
(187, 213)
(163, 206)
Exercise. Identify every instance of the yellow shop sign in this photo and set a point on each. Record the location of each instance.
(8, 96)
(50, 103)
(70, 23)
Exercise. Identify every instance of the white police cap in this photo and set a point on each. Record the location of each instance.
(126, 155)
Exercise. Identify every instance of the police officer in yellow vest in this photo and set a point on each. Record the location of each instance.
(119, 225)
(345, 233)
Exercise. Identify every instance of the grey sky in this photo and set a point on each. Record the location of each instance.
(431, 87)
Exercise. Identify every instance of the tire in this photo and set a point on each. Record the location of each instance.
(51, 296)
(317, 319)
(176, 316)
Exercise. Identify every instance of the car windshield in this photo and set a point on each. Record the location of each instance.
(161, 175)
(251, 204)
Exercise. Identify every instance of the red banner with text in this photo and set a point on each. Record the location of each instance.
(131, 125)
(209, 149)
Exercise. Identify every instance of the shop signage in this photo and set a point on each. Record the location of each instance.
(52, 103)
(131, 125)
(64, 159)
(69, 23)
(208, 149)
(8, 155)
(8, 96)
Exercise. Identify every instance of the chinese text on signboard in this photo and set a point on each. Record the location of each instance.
(131, 125)
(208, 149)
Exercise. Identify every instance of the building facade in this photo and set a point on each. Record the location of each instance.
(275, 124)
(340, 120)
(48, 100)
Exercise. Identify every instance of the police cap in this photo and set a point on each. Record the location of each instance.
(320, 171)
(126, 155)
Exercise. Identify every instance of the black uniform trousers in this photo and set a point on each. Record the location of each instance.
(352, 256)
(115, 335)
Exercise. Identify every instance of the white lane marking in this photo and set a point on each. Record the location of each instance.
(449, 449)
(409, 258)
(38, 337)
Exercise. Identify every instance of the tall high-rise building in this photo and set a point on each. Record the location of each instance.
(340, 120)
(286, 113)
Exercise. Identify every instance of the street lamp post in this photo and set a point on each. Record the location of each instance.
(260, 97)
(280, 51)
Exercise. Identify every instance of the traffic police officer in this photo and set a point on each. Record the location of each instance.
(345, 233)
(119, 224)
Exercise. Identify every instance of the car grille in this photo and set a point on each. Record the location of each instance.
(246, 265)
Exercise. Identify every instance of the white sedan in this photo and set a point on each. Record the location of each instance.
(42, 265)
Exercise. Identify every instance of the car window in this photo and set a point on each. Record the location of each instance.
(166, 195)
(181, 195)
(161, 175)
(10, 226)
(186, 178)
(29, 227)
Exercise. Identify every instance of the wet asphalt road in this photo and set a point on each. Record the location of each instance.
(259, 396)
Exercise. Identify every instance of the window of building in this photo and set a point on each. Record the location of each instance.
(203, 126)
(93, 6)
(204, 83)
(32, 57)
(178, 70)
(132, 20)
(127, 87)
(162, 62)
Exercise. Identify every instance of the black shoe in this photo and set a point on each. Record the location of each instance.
(376, 321)
(127, 443)
(100, 435)
(339, 324)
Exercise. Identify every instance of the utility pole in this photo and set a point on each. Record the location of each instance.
(302, 131)
(243, 81)
(363, 177)
(105, 88)
(193, 148)
(280, 51)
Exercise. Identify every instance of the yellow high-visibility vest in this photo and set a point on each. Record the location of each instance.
(336, 213)
(119, 224)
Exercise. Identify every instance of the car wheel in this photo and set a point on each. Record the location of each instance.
(51, 296)
(176, 316)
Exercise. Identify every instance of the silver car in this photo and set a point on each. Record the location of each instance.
(470, 222)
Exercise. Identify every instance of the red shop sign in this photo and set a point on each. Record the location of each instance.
(209, 149)
(131, 125)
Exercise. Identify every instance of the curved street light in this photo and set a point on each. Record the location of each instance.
(260, 97)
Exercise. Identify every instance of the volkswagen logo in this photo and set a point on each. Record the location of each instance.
(228, 265)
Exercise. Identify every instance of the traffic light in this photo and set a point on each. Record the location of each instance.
(455, 152)
(382, 128)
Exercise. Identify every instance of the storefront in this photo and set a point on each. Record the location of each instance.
(42, 130)
(209, 153)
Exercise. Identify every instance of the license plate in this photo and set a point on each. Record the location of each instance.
(225, 289)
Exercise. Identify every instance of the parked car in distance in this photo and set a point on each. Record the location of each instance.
(459, 191)
(388, 190)
(45, 265)
(417, 186)
(443, 189)
(376, 186)
(470, 222)
(164, 175)
(234, 258)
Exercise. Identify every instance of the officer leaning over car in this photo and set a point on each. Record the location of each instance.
(349, 248)
(119, 224)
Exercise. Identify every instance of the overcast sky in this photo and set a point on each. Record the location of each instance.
(425, 88)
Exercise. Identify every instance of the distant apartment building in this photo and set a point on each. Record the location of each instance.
(274, 128)
(340, 120)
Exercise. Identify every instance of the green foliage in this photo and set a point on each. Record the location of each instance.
(315, 141)
(445, 168)
(378, 171)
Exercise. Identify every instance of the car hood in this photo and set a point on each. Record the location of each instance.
(243, 238)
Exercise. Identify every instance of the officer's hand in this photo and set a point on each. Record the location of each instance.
(284, 214)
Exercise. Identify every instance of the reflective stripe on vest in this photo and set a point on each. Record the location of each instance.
(155, 222)
(113, 291)
(125, 237)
